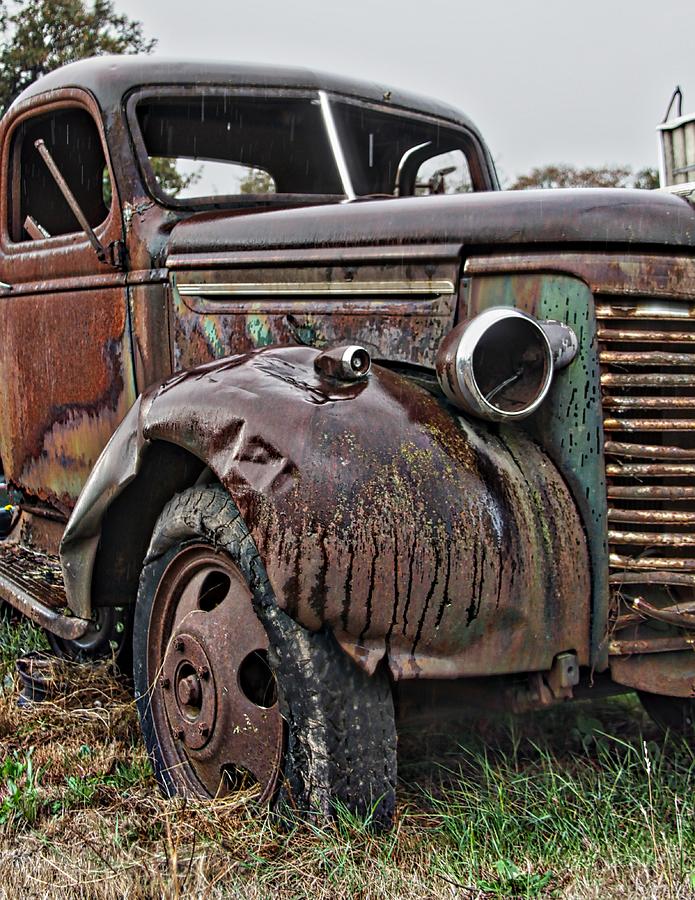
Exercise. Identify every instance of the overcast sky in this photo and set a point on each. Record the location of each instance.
(582, 82)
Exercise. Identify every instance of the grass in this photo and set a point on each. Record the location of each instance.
(586, 801)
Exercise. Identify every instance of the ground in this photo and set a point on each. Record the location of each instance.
(586, 801)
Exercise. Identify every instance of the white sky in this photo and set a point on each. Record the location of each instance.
(582, 82)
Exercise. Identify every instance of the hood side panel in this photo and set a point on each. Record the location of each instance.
(397, 311)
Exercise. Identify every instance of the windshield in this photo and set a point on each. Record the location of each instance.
(225, 148)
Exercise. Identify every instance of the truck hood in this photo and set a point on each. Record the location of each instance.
(598, 217)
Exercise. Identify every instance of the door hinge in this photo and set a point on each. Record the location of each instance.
(116, 255)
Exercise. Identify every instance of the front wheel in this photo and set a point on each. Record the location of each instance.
(234, 695)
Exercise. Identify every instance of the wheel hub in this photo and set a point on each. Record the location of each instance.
(190, 694)
(214, 702)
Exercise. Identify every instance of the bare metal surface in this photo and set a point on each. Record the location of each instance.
(652, 516)
(652, 562)
(650, 538)
(648, 379)
(648, 416)
(647, 358)
(649, 402)
(346, 363)
(650, 424)
(616, 335)
(374, 289)
(495, 382)
(650, 470)
(651, 492)
(649, 451)
(626, 646)
(671, 674)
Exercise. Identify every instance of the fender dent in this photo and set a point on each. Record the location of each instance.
(407, 530)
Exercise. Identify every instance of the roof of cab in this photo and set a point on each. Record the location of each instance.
(109, 78)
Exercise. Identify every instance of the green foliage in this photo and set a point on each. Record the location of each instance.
(39, 36)
(564, 176)
(16, 638)
(87, 791)
(646, 179)
(257, 182)
(19, 783)
(574, 796)
(170, 180)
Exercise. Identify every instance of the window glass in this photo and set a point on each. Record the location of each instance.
(190, 178)
(446, 173)
(385, 151)
(37, 206)
(203, 147)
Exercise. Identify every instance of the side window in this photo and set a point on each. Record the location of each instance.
(446, 173)
(37, 207)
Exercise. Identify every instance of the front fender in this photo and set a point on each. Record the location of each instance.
(377, 510)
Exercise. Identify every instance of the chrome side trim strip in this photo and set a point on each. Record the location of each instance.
(304, 289)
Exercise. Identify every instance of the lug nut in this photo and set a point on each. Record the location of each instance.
(179, 644)
(203, 672)
(165, 682)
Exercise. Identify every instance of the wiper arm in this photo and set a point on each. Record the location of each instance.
(71, 200)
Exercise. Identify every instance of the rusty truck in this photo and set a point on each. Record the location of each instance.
(307, 422)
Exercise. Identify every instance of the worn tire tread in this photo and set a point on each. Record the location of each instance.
(341, 738)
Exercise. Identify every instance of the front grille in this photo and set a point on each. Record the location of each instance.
(647, 355)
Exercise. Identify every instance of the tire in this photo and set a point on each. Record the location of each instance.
(110, 636)
(337, 741)
(676, 714)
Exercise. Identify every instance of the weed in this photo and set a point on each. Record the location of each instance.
(20, 790)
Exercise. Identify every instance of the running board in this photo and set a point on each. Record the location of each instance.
(32, 583)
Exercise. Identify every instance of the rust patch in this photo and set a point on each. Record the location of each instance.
(380, 513)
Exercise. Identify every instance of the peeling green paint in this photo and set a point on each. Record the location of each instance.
(569, 424)
(258, 330)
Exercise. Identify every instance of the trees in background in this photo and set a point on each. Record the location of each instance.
(564, 176)
(37, 36)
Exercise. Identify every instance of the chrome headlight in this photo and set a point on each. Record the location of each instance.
(500, 365)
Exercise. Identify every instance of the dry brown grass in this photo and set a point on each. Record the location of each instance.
(522, 817)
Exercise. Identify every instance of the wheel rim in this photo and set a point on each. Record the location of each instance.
(213, 696)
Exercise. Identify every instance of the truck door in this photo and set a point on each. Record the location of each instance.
(66, 373)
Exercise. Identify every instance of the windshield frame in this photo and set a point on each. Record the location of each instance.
(474, 151)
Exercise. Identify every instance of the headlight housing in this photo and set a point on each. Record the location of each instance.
(500, 364)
